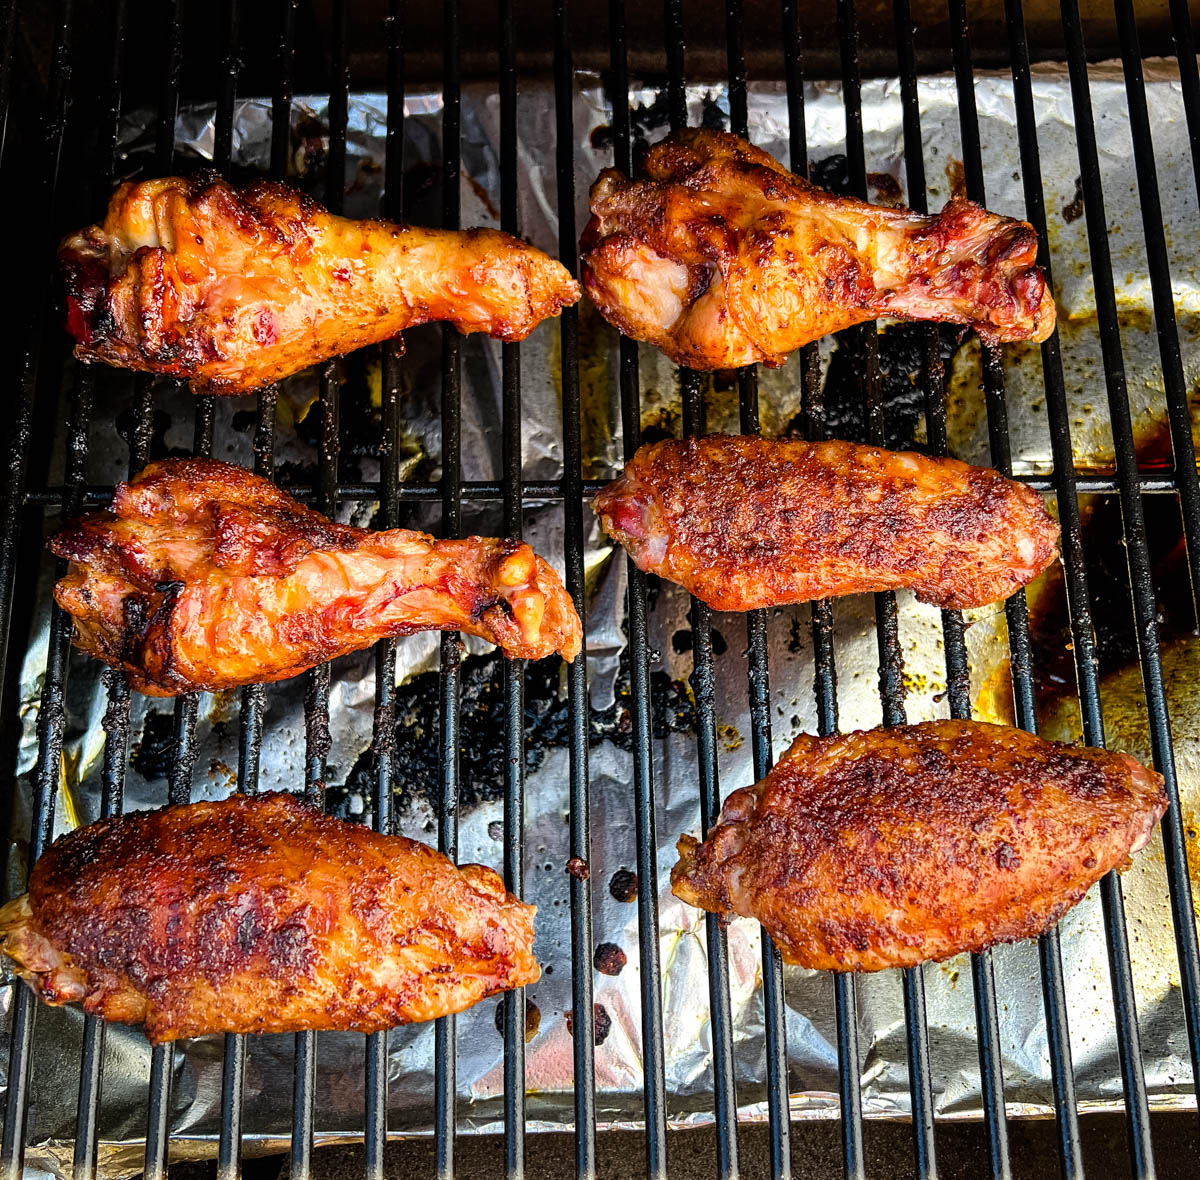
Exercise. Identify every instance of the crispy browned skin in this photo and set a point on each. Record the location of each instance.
(897, 846)
(721, 257)
(260, 914)
(744, 522)
(234, 288)
(204, 576)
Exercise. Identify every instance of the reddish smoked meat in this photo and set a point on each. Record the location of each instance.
(260, 914)
(721, 257)
(744, 522)
(204, 577)
(897, 846)
(232, 289)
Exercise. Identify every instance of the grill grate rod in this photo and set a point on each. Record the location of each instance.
(445, 1027)
(179, 777)
(891, 687)
(513, 1003)
(51, 719)
(583, 1015)
(383, 740)
(116, 715)
(759, 686)
(233, 1067)
(1141, 578)
(1150, 481)
(824, 658)
(384, 724)
(1178, 413)
(702, 682)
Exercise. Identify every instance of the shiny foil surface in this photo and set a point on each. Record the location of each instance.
(813, 1073)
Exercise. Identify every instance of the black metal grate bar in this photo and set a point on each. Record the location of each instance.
(514, 670)
(1189, 77)
(444, 1032)
(50, 714)
(582, 1012)
(1141, 578)
(891, 685)
(383, 742)
(778, 1106)
(824, 659)
(1078, 602)
(116, 717)
(1178, 413)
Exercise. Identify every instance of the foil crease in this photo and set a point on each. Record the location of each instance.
(811, 1040)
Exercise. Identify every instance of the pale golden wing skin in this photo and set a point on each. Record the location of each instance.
(232, 288)
(204, 576)
(721, 258)
(260, 914)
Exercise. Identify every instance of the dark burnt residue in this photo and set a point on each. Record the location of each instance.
(533, 1018)
(600, 1016)
(902, 380)
(609, 959)
(624, 885)
(481, 731)
(832, 173)
(1073, 210)
(154, 751)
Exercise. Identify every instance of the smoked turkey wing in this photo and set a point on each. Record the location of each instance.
(232, 289)
(721, 257)
(744, 522)
(260, 914)
(205, 577)
(896, 846)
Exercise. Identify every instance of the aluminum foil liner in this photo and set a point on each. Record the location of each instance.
(196, 1088)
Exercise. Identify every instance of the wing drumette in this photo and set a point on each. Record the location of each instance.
(204, 576)
(232, 289)
(721, 257)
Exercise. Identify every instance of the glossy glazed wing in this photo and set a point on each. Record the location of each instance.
(721, 257)
(232, 289)
(897, 846)
(260, 914)
(204, 576)
(744, 522)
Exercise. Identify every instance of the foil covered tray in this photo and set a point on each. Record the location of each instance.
(194, 1115)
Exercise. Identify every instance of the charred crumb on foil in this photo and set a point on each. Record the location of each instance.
(623, 885)
(154, 752)
(600, 1016)
(609, 959)
(533, 1018)
(481, 731)
(902, 380)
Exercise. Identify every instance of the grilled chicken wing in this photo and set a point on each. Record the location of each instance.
(234, 288)
(260, 914)
(721, 257)
(204, 576)
(896, 846)
(745, 522)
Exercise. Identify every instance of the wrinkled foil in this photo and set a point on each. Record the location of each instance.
(811, 1041)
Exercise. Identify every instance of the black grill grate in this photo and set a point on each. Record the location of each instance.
(39, 370)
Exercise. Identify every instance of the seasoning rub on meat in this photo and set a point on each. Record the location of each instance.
(260, 914)
(896, 846)
(745, 522)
